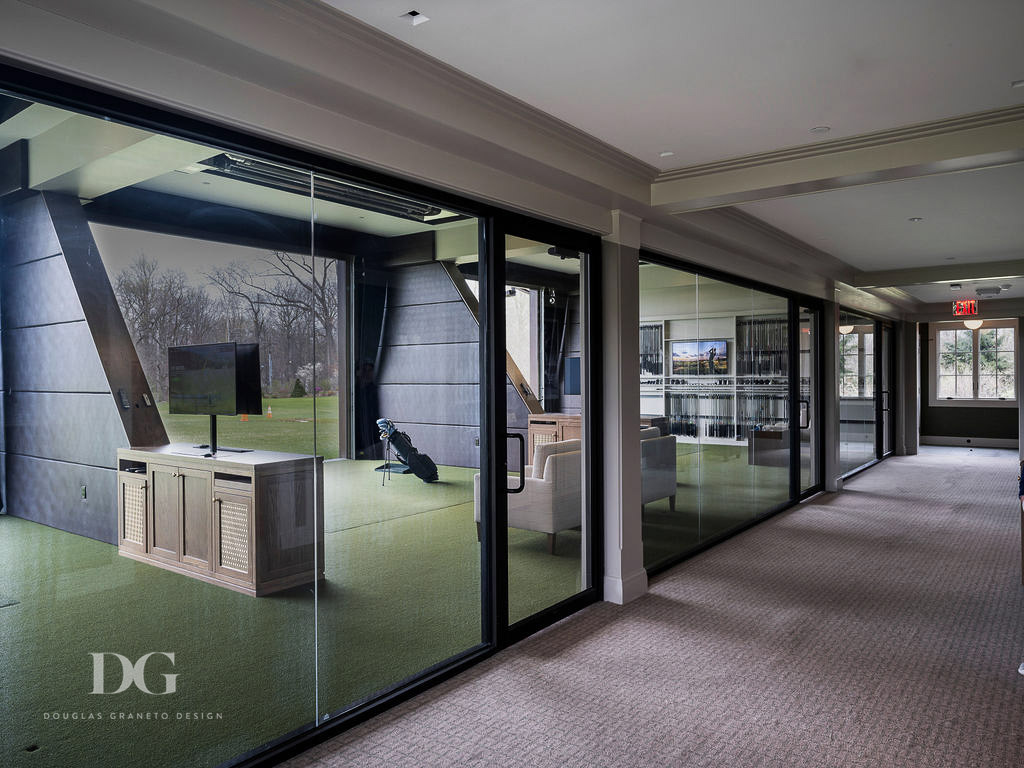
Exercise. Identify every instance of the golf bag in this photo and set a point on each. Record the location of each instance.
(422, 465)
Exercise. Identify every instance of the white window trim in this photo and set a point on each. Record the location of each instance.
(933, 367)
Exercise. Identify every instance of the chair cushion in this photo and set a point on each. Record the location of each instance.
(543, 450)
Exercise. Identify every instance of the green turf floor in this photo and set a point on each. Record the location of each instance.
(718, 490)
(402, 593)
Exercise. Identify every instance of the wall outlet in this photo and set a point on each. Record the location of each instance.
(84, 495)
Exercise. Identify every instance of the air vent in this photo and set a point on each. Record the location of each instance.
(988, 291)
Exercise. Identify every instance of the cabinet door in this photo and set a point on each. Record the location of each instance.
(164, 512)
(232, 535)
(196, 517)
(132, 508)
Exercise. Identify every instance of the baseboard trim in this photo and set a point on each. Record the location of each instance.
(969, 442)
(621, 591)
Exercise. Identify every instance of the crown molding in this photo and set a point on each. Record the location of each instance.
(321, 19)
(987, 119)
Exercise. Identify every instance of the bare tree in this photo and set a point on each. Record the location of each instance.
(162, 309)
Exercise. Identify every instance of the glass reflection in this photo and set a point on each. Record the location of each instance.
(857, 406)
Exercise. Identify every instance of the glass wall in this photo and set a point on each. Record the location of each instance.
(857, 395)
(546, 398)
(241, 444)
(716, 440)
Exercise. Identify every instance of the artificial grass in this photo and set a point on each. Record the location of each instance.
(718, 490)
(402, 593)
(290, 429)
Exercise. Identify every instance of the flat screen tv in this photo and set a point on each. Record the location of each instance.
(214, 379)
(696, 358)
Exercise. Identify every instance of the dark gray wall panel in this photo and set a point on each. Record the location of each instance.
(431, 324)
(457, 363)
(456, 444)
(50, 492)
(67, 427)
(424, 284)
(58, 358)
(28, 232)
(39, 293)
(457, 404)
(109, 332)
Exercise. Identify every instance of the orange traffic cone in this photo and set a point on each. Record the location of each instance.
(245, 417)
(270, 412)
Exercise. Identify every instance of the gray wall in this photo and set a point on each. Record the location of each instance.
(65, 355)
(428, 382)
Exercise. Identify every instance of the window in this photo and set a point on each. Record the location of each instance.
(856, 362)
(974, 366)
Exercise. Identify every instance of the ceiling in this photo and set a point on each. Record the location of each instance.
(732, 90)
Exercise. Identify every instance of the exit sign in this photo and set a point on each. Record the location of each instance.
(965, 307)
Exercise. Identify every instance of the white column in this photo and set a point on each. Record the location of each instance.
(624, 576)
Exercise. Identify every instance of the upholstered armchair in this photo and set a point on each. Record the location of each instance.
(551, 498)
(657, 467)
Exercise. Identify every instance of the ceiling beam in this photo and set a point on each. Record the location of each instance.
(945, 273)
(982, 140)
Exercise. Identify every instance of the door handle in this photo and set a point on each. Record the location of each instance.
(805, 414)
(522, 462)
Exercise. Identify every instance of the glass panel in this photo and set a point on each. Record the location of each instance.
(964, 387)
(767, 386)
(669, 450)
(129, 542)
(395, 383)
(987, 386)
(1005, 338)
(724, 395)
(807, 422)
(546, 400)
(857, 410)
(947, 386)
(726, 472)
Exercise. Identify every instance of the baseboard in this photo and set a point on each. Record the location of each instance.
(969, 442)
(622, 591)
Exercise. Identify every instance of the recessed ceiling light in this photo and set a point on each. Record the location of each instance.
(821, 130)
(915, 219)
(1017, 84)
(414, 17)
(666, 154)
(954, 286)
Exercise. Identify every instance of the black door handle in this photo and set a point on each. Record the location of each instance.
(522, 462)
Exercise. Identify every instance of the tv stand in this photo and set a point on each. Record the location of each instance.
(252, 522)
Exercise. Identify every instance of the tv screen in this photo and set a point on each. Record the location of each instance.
(214, 379)
(695, 358)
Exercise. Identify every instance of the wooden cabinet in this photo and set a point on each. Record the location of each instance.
(252, 522)
(551, 428)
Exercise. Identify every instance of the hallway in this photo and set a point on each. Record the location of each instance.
(882, 626)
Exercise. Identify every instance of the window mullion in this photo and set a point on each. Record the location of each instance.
(975, 367)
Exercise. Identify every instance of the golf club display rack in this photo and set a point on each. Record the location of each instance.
(724, 409)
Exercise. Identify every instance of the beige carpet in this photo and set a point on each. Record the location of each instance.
(878, 627)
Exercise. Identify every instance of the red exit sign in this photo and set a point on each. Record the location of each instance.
(965, 307)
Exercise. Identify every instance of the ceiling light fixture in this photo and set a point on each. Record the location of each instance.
(954, 286)
(915, 219)
(666, 154)
(414, 17)
(1017, 84)
(1006, 286)
(845, 329)
(973, 324)
(821, 130)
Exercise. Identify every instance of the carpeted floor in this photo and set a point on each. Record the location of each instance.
(882, 626)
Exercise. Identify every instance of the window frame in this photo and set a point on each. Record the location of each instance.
(935, 401)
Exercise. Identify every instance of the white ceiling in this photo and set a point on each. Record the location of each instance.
(714, 80)
(720, 80)
(974, 216)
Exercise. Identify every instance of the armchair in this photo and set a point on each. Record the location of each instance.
(657, 468)
(551, 499)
